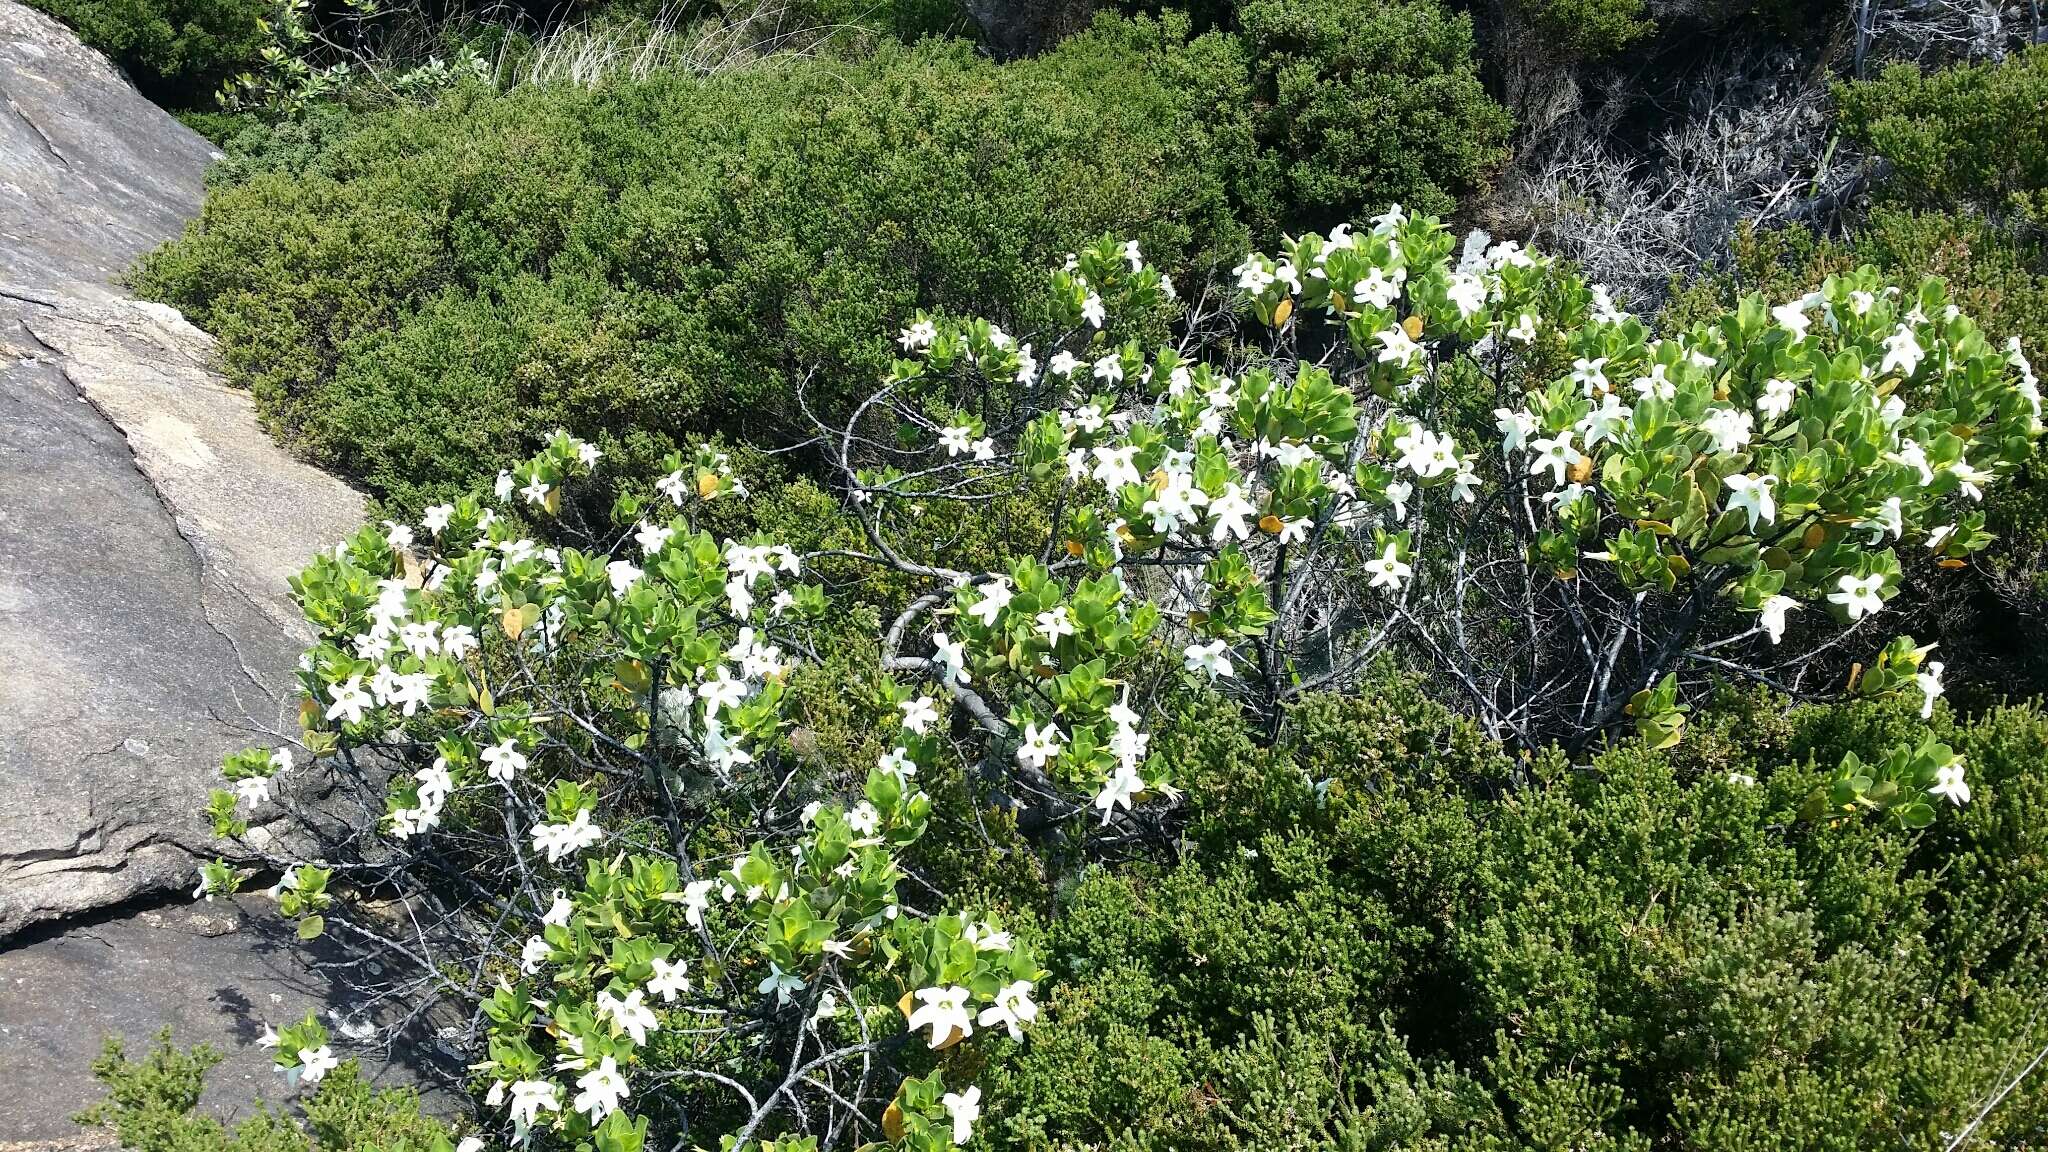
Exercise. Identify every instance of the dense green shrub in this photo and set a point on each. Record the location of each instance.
(1364, 103)
(176, 51)
(1581, 29)
(411, 296)
(1967, 137)
(1376, 941)
(152, 1106)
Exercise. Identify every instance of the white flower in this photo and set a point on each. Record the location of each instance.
(1397, 494)
(1295, 530)
(722, 692)
(1230, 511)
(1889, 517)
(964, 1107)
(1122, 784)
(1012, 1009)
(956, 440)
(349, 700)
(995, 596)
(1656, 384)
(1386, 222)
(503, 487)
(1859, 595)
(920, 714)
(533, 954)
(1387, 571)
(1742, 779)
(1040, 744)
(696, 900)
(1213, 658)
(1728, 428)
(253, 790)
(1792, 318)
(1515, 429)
(1468, 292)
(2029, 386)
(950, 656)
(1092, 311)
(1605, 419)
(1556, 454)
(630, 1014)
(1396, 347)
(1901, 351)
(918, 335)
(1063, 364)
(1773, 615)
(944, 1011)
(1949, 782)
(1524, 331)
(897, 762)
(1776, 399)
(623, 575)
(1929, 681)
(1054, 623)
(720, 749)
(779, 983)
(1752, 494)
(652, 538)
(536, 491)
(435, 518)
(1376, 289)
(529, 1097)
(1109, 367)
(1116, 467)
(560, 840)
(503, 760)
(315, 1063)
(1589, 375)
(1426, 454)
(602, 1089)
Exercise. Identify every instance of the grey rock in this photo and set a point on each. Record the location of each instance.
(91, 174)
(147, 524)
(214, 973)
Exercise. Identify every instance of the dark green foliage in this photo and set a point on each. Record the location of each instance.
(1378, 940)
(152, 1106)
(416, 297)
(1570, 30)
(176, 51)
(1372, 102)
(1966, 137)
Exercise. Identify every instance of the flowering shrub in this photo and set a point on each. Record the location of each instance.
(565, 733)
(1269, 513)
(545, 714)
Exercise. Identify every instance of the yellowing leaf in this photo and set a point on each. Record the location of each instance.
(1281, 313)
(892, 1122)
